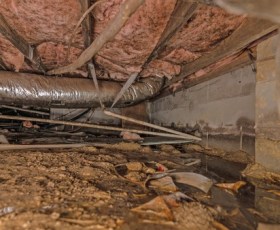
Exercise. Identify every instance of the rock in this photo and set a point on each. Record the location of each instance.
(164, 184)
(193, 216)
(124, 146)
(134, 166)
(135, 176)
(167, 148)
(55, 215)
(128, 136)
(155, 209)
(90, 149)
(86, 172)
(175, 152)
(193, 148)
(146, 149)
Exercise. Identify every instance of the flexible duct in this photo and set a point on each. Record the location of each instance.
(23, 89)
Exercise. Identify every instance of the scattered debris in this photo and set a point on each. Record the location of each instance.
(6, 210)
(232, 186)
(164, 184)
(239, 157)
(167, 148)
(193, 179)
(3, 140)
(29, 125)
(192, 161)
(156, 208)
(193, 148)
(122, 146)
(258, 172)
(219, 226)
(175, 199)
(103, 188)
(263, 226)
(275, 192)
(236, 156)
(194, 215)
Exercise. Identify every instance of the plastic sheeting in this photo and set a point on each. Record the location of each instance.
(60, 92)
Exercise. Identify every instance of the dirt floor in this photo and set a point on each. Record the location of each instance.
(108, 188)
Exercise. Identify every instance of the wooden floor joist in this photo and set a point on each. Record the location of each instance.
(127, 8)
(87, 23)
(21, 44)
(267, 9)
(251, 30)
(2, 65)
(181, 14)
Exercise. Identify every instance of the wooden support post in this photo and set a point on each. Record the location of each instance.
(19, 42)
(267, 106)
(268, 121)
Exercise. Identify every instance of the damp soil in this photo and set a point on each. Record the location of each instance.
(81, 189)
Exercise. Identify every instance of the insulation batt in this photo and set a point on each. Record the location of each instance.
(48, 25)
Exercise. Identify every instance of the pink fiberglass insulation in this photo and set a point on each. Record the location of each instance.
(40, 21)
(208, 26)
(135, 42)
(55, 54)
(48, 25)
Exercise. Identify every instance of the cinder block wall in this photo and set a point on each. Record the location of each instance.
(218, 107)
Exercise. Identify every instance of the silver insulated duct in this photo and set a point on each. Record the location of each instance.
(22, 89)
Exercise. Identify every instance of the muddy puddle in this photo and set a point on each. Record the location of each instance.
(130, 187)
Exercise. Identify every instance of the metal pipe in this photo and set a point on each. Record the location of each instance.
(21, 89)
(7, 147)
(87, 125)
(191, 137)
(25, 110)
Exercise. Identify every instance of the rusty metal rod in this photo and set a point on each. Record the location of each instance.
(191, 137)
(6, 147)
(25, 110)
(87, 125)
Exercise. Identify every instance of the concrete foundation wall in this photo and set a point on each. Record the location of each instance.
(218, 107)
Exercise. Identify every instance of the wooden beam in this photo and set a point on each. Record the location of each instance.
(19, 42)
(246, 34)
(266, 9)
(3, 65)
(87, 23)
(239, 62)
(127, 8)
(181, 14)
(207, 2)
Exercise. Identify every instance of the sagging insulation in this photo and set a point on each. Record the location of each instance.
(22, 89)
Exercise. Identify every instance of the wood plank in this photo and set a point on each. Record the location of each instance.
(181, 14)
(266, 9)
(240, 62)
(19, 42)
(250, 31)
(87, 23)
(3, 65)
(127, 8)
